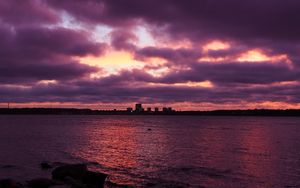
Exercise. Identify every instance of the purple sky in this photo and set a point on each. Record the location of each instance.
(192, 54)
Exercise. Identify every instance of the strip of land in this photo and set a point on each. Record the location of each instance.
(75, 111)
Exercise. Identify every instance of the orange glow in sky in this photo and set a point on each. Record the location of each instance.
(47, 82)
(204, 84)
(113, 62)
(251, 56)
(216, 45)
(212, 59)
(258, 55)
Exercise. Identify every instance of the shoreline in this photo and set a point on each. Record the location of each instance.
(76, 111)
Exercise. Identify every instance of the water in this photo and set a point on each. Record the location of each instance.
(158, 151)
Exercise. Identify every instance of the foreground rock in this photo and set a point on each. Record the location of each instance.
(79, 174)
(9, 183)
(46, 165)
(64, 176)
(75, 171)
(42, 183)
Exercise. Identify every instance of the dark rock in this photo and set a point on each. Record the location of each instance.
(75, 171)
(73, 183)
(61, 186)
(95, 179)
(46, 166)
(150, 184)
(41, 183)
(78, 176)
(57, 164)
(9, 183)
(115, 185)
(93, 163)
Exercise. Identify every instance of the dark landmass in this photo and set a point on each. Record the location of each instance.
(74, 111)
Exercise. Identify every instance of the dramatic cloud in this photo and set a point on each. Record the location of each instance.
(123, 40)
(222, 54)
(26, 13)
(232, 18)
(39, 53)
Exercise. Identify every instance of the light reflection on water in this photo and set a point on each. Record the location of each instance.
(161, 150)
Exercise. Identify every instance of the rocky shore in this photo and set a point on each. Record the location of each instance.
(62, 176)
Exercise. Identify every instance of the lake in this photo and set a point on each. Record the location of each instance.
(157, 151)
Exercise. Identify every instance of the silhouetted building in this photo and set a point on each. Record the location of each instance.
(149, 109)
(156, 109)
(129, 109)
(169, 109)
(138, 107)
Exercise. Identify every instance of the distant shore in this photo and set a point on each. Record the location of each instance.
(75, 111)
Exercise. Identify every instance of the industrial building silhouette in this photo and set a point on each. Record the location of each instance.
(139, 109)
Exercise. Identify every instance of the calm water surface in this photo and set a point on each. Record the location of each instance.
(161, 151)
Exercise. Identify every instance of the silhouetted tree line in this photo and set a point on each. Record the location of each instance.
(74, 111)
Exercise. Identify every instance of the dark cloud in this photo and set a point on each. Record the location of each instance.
(169, 54)
(30, 73)
(235, 72)
(123, 40)
(232, 18)
(39, 53)
(57, 41)
(26, 12)
(90, 12)
(97, 91)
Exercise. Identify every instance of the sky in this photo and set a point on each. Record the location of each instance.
(191, 54)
